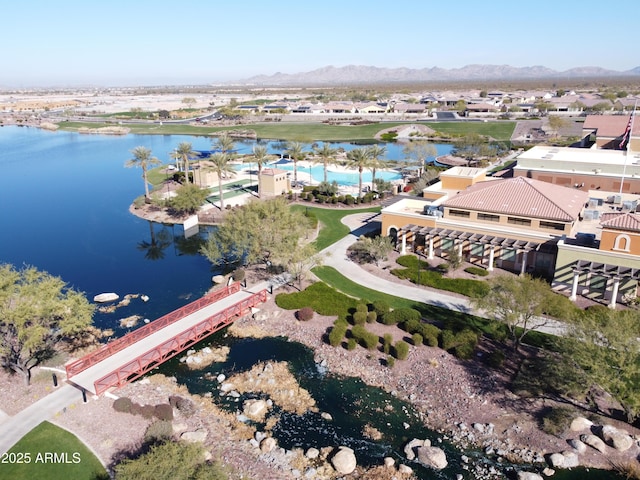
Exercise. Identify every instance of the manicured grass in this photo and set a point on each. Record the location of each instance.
(419, 272)
(332, 229)
(309, 132)
(53, 454)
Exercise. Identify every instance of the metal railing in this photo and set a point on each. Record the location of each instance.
(121, 343)
(170, 348)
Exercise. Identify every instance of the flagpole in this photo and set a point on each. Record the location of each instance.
(626, 155)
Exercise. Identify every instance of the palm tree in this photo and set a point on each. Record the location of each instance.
(327, 157)
(183, 152)
(260, 156)
(142, 158)
(359, 159)
(220, 163)
(224, 143)
(375, 153)
(296, 153)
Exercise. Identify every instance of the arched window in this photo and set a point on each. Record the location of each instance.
(623, 242)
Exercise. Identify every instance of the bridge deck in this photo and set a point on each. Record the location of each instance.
(87, 378)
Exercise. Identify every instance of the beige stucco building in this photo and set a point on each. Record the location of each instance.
(274, 182)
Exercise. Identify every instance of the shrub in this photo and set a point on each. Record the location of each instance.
(481, 272)
(184, 405)
(123, 405)
(401, 349)
(164, 411)
(400, 315)
(443, 267)
(430, 334)
(416, 339)
(380, 307)
(412, 326)
(305, 314)
(359, 318)
(557, 419)
(461, 344)
(146, 411)
(367, 339)
(387, 341)
(337, 334)
(372, 317)
(352, 344)
(238, 275)
(495, 359)
(361, 307)
(447, 340)
(349, 200)
(391, 361)
(158, 431)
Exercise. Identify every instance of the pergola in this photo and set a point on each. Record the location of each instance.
(615, 272)
(460, 237)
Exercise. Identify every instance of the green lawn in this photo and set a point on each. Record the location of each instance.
(51, 453)
(309, 132)
(332, 229)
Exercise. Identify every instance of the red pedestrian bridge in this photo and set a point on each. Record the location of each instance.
(127, 358)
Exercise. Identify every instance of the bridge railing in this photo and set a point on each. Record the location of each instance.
(123, 342)
(172, 347)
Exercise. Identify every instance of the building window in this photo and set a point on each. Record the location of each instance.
(622, 242)
(487, 217)
(446, 244)
(459, 213)
(508, 255)
(519, 221)
(552, 225)
(477, 249)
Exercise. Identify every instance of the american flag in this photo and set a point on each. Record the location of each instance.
(627, 132)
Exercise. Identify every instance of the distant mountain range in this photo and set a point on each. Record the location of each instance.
(360, 74)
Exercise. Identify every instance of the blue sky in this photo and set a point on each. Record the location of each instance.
(136, 42)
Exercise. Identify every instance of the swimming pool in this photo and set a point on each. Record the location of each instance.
(342, 178)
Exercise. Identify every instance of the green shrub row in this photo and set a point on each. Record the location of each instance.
(401, 315)
(365, 338)
(481, 272)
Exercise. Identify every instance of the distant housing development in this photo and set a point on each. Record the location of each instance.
(569, 214)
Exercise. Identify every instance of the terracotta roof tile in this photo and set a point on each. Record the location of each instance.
(609, 125)
(524, 197)
(628, 221)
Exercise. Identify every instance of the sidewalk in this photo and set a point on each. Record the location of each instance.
(335, 256)
(14, 428)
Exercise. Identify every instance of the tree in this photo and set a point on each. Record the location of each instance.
(219, 162)
(224, 143)
(142, 158)
(417, 152)
(302, 260)
(556, 123)
(260, 156)
(520, 303)
(189, 101)
(261, 231)
(188, 199)
(169, 461)
(474, 148)
(296, 153)
(327, 157)
(359, 158)
(606, 347)
(182, 153)
(376, 152)
(38, 312)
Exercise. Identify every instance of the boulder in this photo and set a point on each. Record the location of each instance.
(409, 448)
(571, 459)
(255, 409)
(615, 438)
(594, 442)
(579, 424)
(433, 457)
(268, 444)
(106, 297)
(556, 460)
(194, 437)
(312, 453)
(389, 462)
(548, 472)
(577, 445)
(528, 476)
(217, 279)
(344, 461)
(405, 469)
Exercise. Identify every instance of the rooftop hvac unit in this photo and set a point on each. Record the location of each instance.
(628, 205)
(617, 199)
(593, 202)
(588, 214)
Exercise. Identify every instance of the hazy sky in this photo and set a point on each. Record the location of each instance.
(134, 42)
